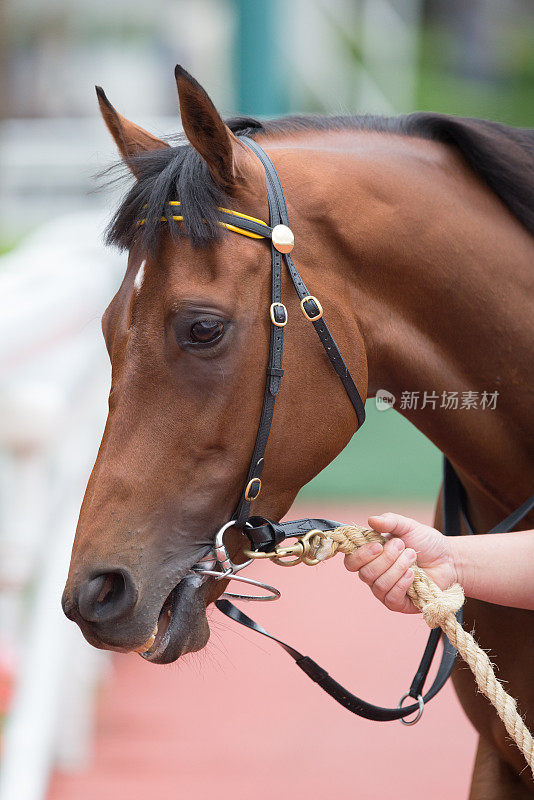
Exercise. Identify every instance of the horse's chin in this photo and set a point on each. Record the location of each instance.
(182, 625)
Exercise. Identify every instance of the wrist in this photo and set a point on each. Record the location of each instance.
(462, 569)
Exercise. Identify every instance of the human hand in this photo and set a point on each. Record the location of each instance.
(388, 569)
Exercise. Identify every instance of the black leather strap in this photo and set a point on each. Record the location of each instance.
(274, 365)
(330, 346)
(246, 224)
(515, 517)
(265, 534)
(274, 189)
(278, 216)
(341, 695)
(451, 526)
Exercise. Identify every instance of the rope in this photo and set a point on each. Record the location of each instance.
(439, 608)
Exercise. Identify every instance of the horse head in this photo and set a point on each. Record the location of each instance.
(188, 338)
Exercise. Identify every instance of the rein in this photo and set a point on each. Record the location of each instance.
(442, 610)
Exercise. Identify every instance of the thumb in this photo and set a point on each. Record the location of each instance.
(395, 524)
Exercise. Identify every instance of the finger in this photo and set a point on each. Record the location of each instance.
(385, 582)
(383, 562)
(362, 556)
(397, 599)
(392, 523)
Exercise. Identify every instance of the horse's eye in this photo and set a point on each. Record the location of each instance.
(206, 331)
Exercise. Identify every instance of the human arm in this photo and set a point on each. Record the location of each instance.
(497, 568)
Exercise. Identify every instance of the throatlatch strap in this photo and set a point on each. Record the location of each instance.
(452, 511)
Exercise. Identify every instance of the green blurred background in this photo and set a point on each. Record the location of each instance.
(258, 57)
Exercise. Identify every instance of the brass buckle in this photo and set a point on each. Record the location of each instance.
(299, 553)
(317, 303)
(273, 318)
(250, 485)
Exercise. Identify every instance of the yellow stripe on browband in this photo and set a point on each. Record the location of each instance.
(241, 230)
(233, 213)
(226, 225)
(243, 216)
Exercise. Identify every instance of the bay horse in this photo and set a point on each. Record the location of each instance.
(416, 234)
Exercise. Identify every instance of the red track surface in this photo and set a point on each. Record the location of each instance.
(241, 720)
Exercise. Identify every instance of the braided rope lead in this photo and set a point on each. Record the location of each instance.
(439, 608)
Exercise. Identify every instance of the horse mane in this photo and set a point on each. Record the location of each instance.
(502, 156)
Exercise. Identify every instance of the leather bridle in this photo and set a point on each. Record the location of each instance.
(313, 312)
(266, 535)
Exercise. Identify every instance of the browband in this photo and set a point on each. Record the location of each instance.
(255, 228)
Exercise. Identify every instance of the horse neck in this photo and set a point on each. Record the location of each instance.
(437, 274)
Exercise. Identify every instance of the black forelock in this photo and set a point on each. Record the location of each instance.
(502, 156)
(172, 173)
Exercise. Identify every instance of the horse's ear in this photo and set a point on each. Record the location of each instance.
(206, 130)
(129, 138)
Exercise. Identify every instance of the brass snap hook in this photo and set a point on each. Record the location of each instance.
(301, 552)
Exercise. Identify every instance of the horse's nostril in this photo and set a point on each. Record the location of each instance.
(107, 596)
(68, 605)
(111, 587)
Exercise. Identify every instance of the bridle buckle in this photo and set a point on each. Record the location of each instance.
(253, 489)
(313, 316)
(275, 309)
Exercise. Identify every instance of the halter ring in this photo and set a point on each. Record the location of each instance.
(419, 714)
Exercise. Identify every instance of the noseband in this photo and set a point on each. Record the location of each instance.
(265, 535)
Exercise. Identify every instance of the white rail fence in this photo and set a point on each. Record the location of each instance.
(53, 373)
